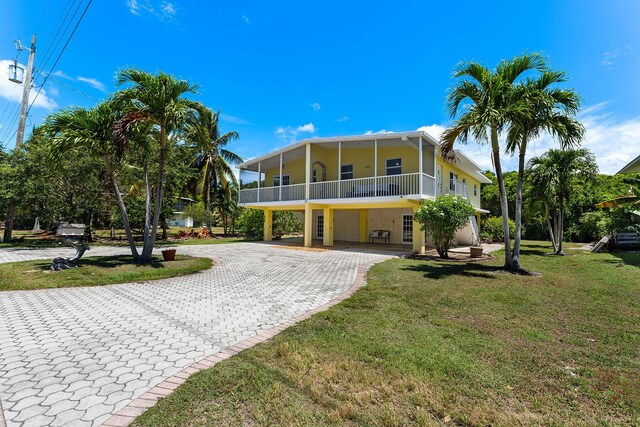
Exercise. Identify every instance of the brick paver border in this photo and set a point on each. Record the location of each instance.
(126, 415)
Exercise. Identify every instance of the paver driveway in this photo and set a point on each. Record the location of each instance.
(73, 356)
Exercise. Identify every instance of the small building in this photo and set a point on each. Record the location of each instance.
(179, 219)
(632, 167)
(347, 188)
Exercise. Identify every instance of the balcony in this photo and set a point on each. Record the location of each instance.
(371, 187)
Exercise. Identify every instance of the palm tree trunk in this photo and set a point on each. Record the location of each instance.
(551, 236)
(508, 262)
(560, 235)
(148, 249)
(147, 208)
(518, 237)
(125, 218)
(207, 202)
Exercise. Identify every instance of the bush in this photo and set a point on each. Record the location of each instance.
(251, 223)
(492, 229)
(442, 218)
(197, 212)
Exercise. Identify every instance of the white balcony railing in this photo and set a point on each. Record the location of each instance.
(381, 186)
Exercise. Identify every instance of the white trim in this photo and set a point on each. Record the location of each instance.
(339, 160)
(403, 230)
(420, 161)
(386, 166)
(319, 229)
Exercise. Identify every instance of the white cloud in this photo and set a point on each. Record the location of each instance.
(94, 83)
(316, 106)
(53, 91)
(433, 130)
(291, 134)
(62, 75)
(233, 119)
(309, 128)
(380, 132)
(343, 119)
(610, 57)
(614, 141)
(13, 91)
(246, 19)
(163, 10)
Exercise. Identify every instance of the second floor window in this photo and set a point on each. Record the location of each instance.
(346, 172)
(286, 180)
(475, 190)
(394, 166)
(452, 181)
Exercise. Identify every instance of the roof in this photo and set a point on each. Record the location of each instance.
(632, 167)
(466, 162)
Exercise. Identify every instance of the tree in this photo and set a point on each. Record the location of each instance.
(157, 101)
(486, 103)
(548, 109)
(213, 158)
(442, 218)
(555, 174)
(251, 223)
(77, 129)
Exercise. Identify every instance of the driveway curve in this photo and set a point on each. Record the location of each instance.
(75, 356)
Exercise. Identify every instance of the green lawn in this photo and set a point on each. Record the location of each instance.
(94, 271)
(436, 343)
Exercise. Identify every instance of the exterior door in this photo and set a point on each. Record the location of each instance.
(320, 227)
(439, 180)
(407, 228)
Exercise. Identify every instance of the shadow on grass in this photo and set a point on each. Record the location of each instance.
(629, 258)
(108, 262)
(432, 270)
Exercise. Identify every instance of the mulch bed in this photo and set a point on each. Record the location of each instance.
(432, 255)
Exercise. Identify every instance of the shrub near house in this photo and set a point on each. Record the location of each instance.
(442, 218)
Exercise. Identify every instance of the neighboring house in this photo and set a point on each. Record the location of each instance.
(344, 188)
(179, 219)
(632, 167)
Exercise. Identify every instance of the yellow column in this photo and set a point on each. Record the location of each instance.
(418, 235)
(268, 225)
(308, 225)
(327, 232)
(363, 226)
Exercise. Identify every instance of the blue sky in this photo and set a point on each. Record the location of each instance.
(287, 70)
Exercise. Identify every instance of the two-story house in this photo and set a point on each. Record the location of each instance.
(347, 187)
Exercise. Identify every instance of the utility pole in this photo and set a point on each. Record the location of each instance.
(11, 209)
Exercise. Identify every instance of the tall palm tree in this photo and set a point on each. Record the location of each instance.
(91, 130)
(559, 172)
(486, 103)
(551, 110)
(157, 100)
(213, 158)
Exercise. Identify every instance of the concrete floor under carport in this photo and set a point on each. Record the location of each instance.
(352, 224)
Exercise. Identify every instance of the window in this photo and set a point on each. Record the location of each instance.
(475, 189)
(286, 180)
(314, 175)
(452, 181)
(346, 172)
(320, 227)
(394, 166)
(407, 228)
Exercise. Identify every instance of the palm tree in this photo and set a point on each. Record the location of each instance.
(487, 103)
(213, 158)
(157, 100)
(559, 172)
(91, 130)
(551, 110)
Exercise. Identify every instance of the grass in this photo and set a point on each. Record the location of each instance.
(30, 239)
(443, 343)
(94, 271)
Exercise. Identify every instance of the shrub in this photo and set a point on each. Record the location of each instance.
(442, 218)
(251, 223)
(492, 229)
(197, 212)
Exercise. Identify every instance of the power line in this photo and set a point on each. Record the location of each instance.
(59, 55)
(45, 59)
(73, 88)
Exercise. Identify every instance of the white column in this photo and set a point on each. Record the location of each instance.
(339, 169)
(420, 184)
(259, 179)
(375, 166)
(307, 172)
(280, 189)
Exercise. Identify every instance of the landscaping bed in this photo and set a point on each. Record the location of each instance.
(95, 271)
(442, 343)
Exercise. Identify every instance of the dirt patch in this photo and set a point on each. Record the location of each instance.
(432, 255)
(302, 248)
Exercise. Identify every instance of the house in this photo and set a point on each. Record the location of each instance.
(344, 188)
(179, 219)
(632, 167)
